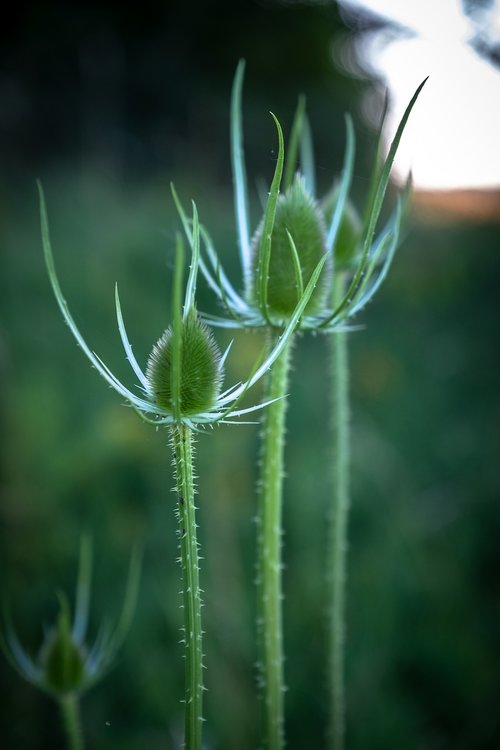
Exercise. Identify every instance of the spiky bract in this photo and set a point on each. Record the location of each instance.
(200, 368)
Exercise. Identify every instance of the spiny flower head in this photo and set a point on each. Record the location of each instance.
(297, 232)
(183, 377)
(62, 658)
(299, 220)
(66, 664)
(201, 375)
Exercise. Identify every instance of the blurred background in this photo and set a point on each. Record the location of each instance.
(107, 103)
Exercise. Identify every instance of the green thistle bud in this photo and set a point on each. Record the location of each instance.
(62, 659)
(298, 214)
(347, 242)
(201, 373)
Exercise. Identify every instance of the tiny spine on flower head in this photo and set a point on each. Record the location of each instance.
(181, 389)
(295, 231)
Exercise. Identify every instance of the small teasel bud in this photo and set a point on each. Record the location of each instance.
(347, 242)
(298, 214)
(62, 658)
(201, 374)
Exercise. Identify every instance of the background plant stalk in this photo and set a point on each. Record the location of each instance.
(71, 718)
(269, 565)
(337, 544)
(182, 445)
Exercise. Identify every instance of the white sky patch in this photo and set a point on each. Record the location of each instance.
(452, 139)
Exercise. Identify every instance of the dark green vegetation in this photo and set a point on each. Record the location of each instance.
(106, 137)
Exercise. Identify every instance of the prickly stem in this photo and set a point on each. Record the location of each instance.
(270, 630)
(337, 546)
(182, 445)
(71, 719)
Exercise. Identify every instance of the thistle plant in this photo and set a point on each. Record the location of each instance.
(66, 665)
(181, 388)
(278, 261)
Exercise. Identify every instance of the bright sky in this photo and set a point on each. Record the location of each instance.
(453, 137)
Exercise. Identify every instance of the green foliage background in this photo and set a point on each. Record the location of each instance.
(108, 104)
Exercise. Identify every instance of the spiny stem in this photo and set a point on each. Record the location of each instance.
(337, 546)
(71, 718)
(181, 437)
(269, 554)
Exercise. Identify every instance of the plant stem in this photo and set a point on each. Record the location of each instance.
(269, 553)
(337, 547)
(183, 456)
(71, 718)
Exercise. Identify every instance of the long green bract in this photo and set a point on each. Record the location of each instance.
(307, 156)
(176, 363)
(294, 143)
(345, 185)
(268, 226)
(375, 211)
(299, 280)
(239, 172)
(377, 166)
(195, 261)
(102, 369)
(83, 590)
(126, 343)
(387, 246)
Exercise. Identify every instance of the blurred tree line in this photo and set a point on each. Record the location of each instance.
(107, 103)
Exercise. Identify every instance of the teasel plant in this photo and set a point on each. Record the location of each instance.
(278, 260)
(181, 389)
(68, 665)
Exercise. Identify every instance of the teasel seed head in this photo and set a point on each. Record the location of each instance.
(297, 215)
(62, 659)
(200, 368)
